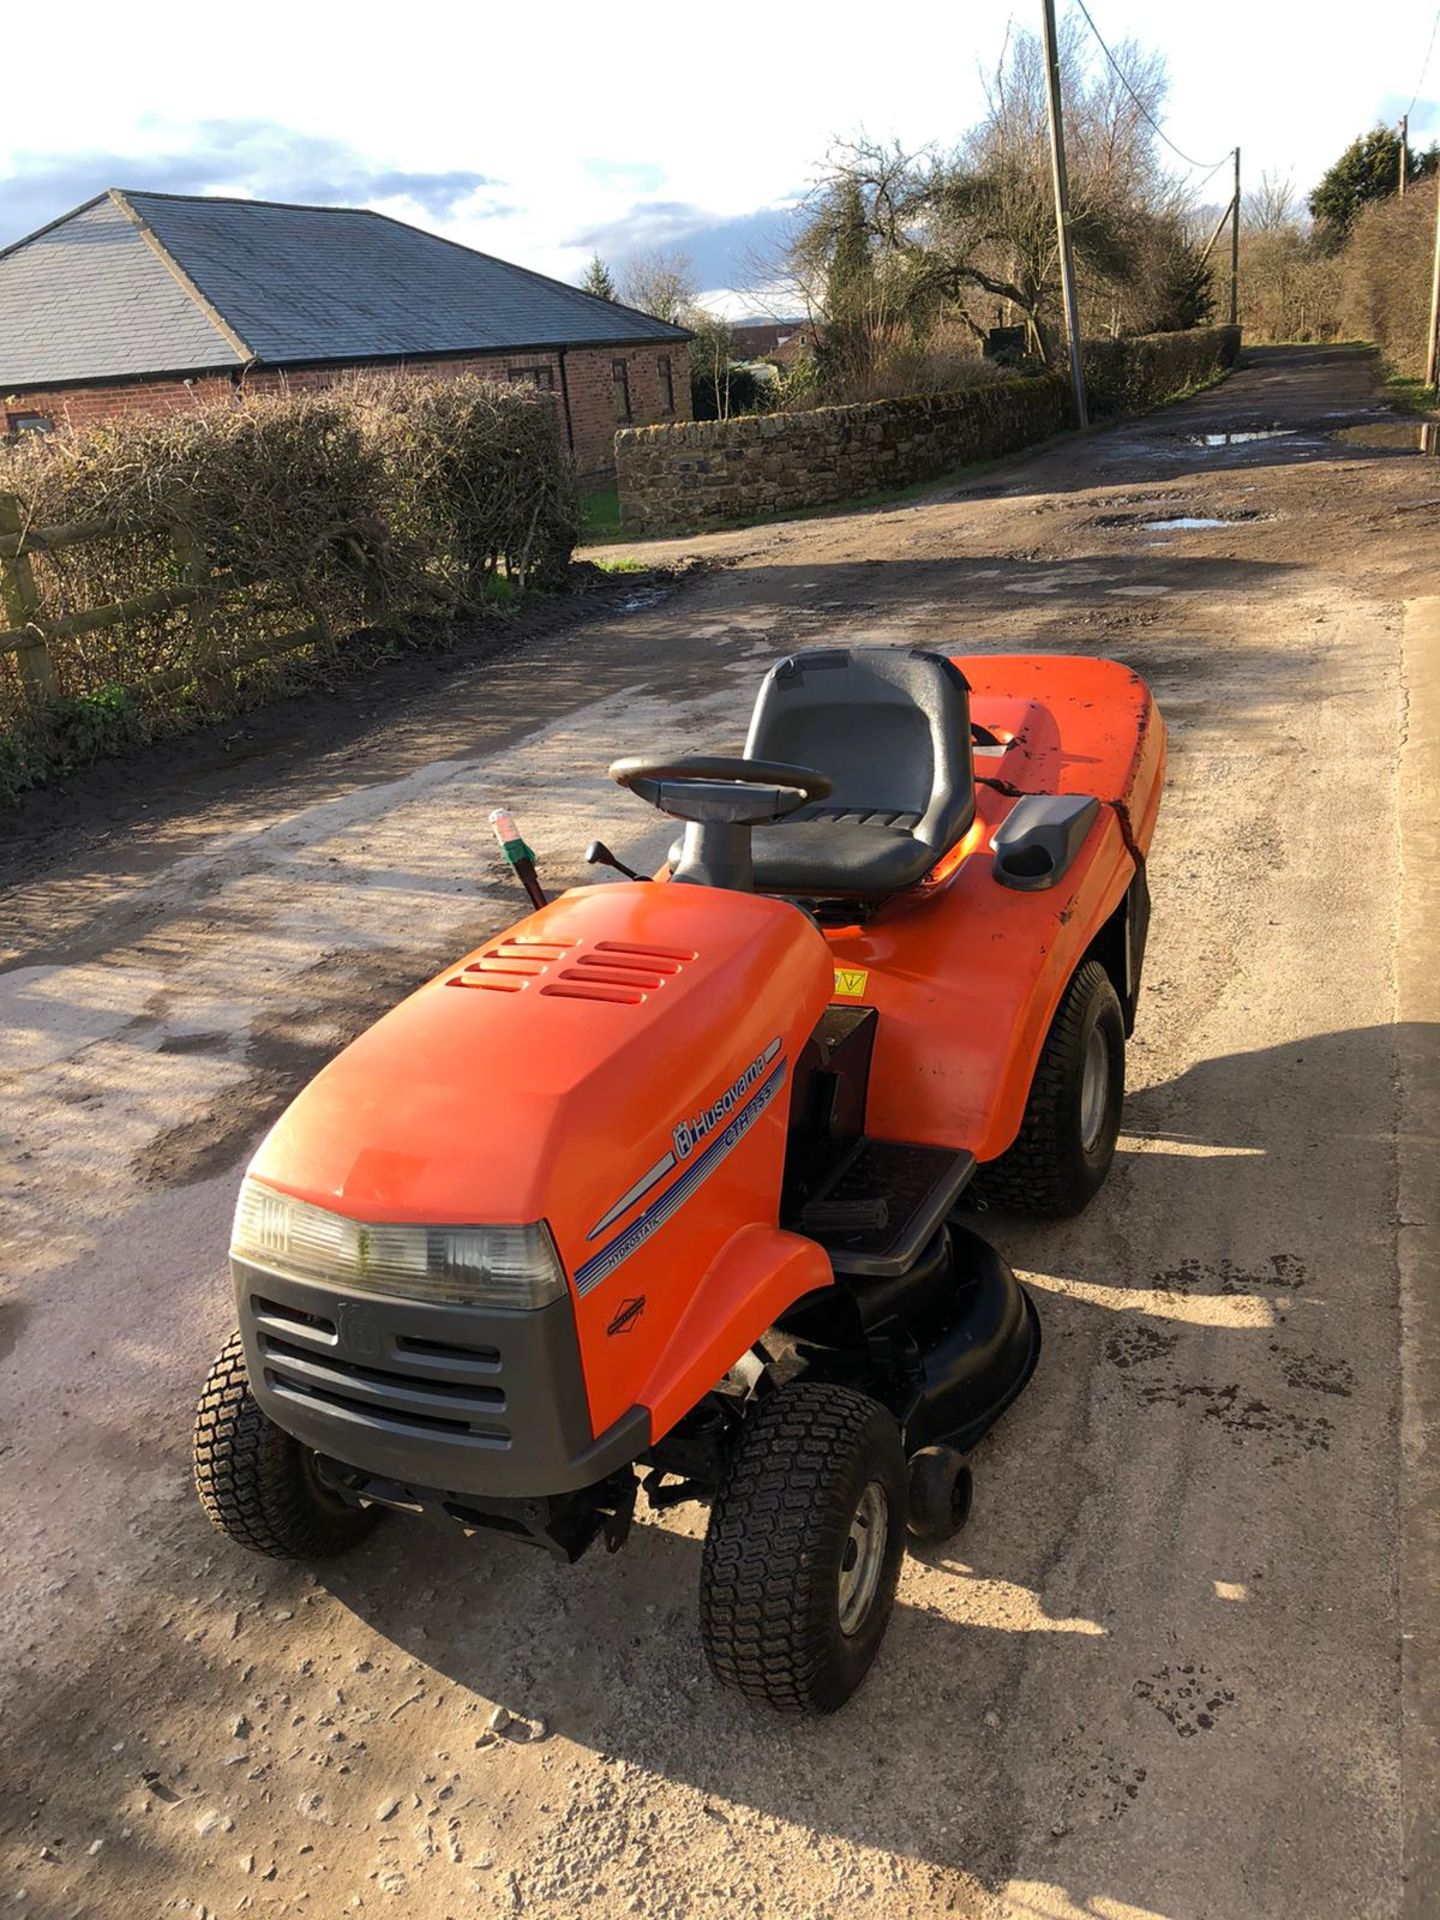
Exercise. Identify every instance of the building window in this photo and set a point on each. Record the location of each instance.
(29, 423)
(667, 384)
(543, 377)
(620, 383)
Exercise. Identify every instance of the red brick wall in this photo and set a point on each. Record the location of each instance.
(588, 375)
(87, 406)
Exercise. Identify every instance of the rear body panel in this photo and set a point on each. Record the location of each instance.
(966, 974)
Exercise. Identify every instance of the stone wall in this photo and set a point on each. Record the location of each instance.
(676, 478)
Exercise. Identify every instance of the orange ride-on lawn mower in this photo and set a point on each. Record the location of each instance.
(660, 1187)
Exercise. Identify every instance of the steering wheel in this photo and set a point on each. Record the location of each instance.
(714, 790)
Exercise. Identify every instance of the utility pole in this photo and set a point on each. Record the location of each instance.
(1062, 211)
(1235, 247)
(1404, 149)
(1432, 358)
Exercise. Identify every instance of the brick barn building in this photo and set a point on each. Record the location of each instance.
(138, 302)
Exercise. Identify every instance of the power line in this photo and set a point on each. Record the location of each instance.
(1200, 185)
(1425, 65)
(1155, 126)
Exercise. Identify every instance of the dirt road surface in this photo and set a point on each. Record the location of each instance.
(1162, 1672)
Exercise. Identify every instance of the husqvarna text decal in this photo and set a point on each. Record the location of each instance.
(601, 1265)
(687, 1134)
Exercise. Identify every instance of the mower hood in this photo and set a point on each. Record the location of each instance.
(570, 1069)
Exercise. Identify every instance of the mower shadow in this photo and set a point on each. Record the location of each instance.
(1206, 1301)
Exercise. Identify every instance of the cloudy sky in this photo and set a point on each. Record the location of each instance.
(543, 136)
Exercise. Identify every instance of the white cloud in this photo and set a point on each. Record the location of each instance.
(588, 113)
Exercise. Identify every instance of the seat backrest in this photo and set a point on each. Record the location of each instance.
(889, 725)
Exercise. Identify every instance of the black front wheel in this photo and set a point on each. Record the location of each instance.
(262, 1489)
(1066, 1141)
(942, 1488)
(803, 1552)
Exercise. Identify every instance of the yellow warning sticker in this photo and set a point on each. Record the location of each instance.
(851, 982)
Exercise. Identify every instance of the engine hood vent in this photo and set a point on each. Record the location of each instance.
(612, 972)
(511, 964)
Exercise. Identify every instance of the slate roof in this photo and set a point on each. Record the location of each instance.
(149, 283)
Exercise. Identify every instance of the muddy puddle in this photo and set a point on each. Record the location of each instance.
(1241, 438)
(641, 598)
(1186, 523)
(1393, 436)
(1176, 522)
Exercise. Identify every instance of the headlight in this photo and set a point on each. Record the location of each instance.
(461, 1266)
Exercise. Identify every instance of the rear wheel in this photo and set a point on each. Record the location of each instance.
(1067, 1137)
(804, 1548)
(259, 1487)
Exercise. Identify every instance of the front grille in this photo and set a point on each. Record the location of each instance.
(388, 1381)
(486, 1359)
(406, 1423)
(275, 1314)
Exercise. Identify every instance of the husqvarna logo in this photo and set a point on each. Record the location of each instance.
(358, 1327)
(687, 1134)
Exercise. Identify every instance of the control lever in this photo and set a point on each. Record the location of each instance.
(597, 854)
(520, 857)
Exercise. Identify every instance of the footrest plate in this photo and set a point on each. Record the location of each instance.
(880, 1203)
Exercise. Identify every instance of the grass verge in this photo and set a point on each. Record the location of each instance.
(1409, 394)
(599, 516)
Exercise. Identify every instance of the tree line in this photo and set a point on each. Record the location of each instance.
(925, 270)
(1351, 260)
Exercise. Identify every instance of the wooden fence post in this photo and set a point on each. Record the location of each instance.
(211, 675)
(21, 598)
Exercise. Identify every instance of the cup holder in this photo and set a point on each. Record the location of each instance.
(1033, 862)
(1040, 838)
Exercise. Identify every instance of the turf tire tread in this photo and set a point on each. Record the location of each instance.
(769, 1631)
(249, 1477)
(1036, 1174)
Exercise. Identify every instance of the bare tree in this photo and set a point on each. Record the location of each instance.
(712, 351)
(968, 238)
(1290, 279)
(659, 281)
(1270, 205)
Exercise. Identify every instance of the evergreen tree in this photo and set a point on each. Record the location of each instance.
(1369, 169)
(598, 280)
(849, 288)
(850, 280)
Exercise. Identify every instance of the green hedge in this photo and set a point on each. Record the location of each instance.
(1132, 375)
(391, 503)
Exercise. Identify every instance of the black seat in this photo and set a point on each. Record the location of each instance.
(891, 728)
